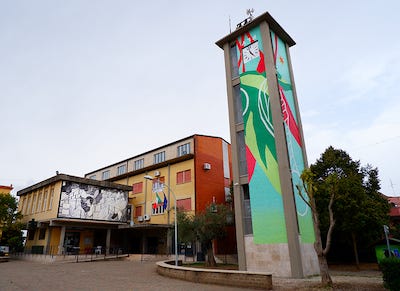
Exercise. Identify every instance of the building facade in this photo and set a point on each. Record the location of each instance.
(66, 214)
(6, 189)
(131, 204)
(195, 170)
(273, 224)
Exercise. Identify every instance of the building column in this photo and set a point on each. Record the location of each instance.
(144, 241)
(61, 243)
(48, 247)
(108, 239)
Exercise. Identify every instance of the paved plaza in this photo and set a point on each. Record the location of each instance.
(128, 274)
(101, 275)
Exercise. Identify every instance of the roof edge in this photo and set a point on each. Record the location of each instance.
(273, 24)
(65, 177)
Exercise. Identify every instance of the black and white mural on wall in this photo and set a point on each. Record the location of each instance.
(91, 202)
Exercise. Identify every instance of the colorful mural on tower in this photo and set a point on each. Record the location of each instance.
(263, 172)
(293, 139)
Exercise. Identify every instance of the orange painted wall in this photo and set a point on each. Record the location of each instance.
(209, 183)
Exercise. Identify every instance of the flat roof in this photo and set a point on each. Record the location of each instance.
(273, 24)
(64, 177)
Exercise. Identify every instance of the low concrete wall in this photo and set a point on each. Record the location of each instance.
(214, 276)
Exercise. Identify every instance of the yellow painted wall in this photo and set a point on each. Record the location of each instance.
(55, 239)
(182, 191)
(36, 198)
(36, 241)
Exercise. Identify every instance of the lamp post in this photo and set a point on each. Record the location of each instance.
(386, 230)
(148, 177)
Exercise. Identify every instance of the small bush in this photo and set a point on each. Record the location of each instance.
(391, 273)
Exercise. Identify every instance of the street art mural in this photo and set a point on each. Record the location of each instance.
(264, 182)
(293, 139)
(90, 202)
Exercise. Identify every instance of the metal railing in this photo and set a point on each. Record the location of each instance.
(74, 253)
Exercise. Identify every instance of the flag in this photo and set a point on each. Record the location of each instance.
(158, 199)
(165, 202)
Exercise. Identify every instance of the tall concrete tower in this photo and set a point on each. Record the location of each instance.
(273, 224)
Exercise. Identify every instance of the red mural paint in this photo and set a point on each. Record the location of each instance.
(288, 117)
(251, 162)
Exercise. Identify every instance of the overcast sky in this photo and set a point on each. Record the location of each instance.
(87, 83)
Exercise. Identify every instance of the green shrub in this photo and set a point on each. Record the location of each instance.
(390, 268)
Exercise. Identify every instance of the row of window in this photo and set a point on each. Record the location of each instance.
(37, 202)
(181, 178)
(182, 204)
(139, 164)
(42, 234)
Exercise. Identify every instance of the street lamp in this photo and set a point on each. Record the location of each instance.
(148, 177)
(386, 230)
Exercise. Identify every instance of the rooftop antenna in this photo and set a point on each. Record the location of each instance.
(249, 13)
(230, 27)
(391, 184)
(248, 19)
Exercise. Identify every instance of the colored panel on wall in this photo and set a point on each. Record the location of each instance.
(293, 139)
(264, 182)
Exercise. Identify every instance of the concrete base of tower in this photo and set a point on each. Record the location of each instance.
(275, 258)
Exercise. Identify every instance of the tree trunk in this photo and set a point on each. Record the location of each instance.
(354, 240)
(324, 271)
(210, 262)
(326, 279)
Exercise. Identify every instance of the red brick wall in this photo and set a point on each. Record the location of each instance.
(211, 183)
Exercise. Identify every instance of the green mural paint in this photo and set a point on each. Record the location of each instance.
(293, 139)
(264, 183)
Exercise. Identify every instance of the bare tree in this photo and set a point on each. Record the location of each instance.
(307, 178)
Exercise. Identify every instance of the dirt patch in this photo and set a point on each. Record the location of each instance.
(344, 277)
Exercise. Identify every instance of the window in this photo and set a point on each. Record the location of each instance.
(138, 211)
(184, 204)
(21, 205)
(39, 202)
(138, 164)
(183, 177)
(31, 234)
(137, 188)
(51, 198)
(33, 204)
(93, 177)
(183, 149)
(241, 147)
(42, 233)
(234, 62)
(44, 205)
(237, 100)
(160, 157)
(27, 204)
(158, 184)
(157, 209)
(248, 227)
(121, 169)
(105, 175)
